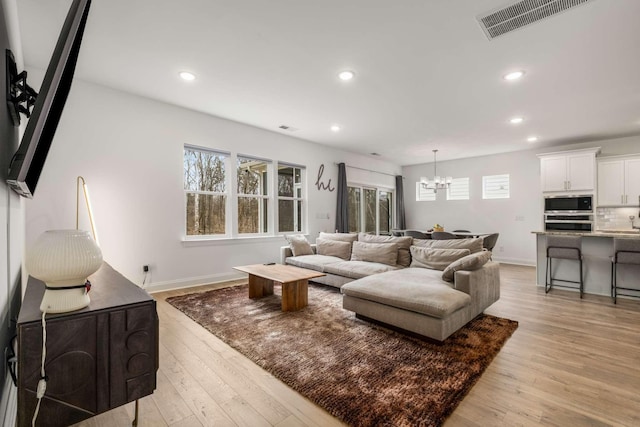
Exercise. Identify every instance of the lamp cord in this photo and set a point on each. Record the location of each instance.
(42, 384)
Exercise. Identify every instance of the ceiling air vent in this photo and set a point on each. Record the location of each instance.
(521, 14)
(289, 128)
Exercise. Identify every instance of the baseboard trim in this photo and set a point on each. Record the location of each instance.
(9, 403)
(516, 261)
(193, 281)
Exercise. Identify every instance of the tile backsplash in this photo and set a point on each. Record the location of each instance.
(616, 218)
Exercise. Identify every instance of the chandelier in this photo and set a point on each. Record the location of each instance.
(437, 183)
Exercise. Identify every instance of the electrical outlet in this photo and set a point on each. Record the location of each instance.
(145, 268)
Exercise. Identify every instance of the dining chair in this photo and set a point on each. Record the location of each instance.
(443, 235)
(416, 234)
(489, 241)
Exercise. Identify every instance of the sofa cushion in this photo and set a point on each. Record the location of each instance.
(333, 248)
(468, 263)
(298, 244)
(383, 253)
(474, 245)
(357, 269)
(413, 289)
(404, 243)
(437, 259)
(342, 237)
(312, 262)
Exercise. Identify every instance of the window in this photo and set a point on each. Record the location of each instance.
(290, 198)
(495, 187)
(205, 185)
(424, 194)
(253, 199)
(459, 189)
(370, 210)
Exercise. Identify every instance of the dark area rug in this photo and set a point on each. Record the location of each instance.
(363, 374)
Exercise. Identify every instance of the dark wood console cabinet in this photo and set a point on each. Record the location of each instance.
(98, 358)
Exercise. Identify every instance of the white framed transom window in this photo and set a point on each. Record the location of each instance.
(459, 189)
(495, 187)
(424, 194)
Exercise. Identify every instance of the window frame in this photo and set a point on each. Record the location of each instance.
(227, 183)
(232, 197)
(302, 186)
(362, 215)
(268, 212)
(459, 180)
(421, 191)
(495, 178)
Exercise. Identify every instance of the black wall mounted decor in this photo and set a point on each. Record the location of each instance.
(321, 185)
(20, 96)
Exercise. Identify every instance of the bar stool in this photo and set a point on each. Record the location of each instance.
(563, 247)
(626, 251)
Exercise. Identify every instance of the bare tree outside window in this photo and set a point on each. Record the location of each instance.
(205, 188)
(370, 210)
(253, 199)
(354, 208)
(290, 198)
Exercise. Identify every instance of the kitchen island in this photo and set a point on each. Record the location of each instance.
(597, 250)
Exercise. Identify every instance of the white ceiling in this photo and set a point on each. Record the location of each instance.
(427, 77)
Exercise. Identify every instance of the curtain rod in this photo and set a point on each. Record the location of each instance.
(367, 170)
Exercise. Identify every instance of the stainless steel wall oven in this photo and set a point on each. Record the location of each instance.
(568, 213)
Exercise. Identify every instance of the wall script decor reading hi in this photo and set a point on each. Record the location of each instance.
(321, 185)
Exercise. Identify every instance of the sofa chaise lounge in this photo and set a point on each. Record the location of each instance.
(429, 287)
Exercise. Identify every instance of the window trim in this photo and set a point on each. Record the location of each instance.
(238, 195)
(486, 178)
(468, 182)
(227, 211)
(378, 189)
(232, 196)
(302, 198)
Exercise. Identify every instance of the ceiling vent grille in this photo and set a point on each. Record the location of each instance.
(521, 14)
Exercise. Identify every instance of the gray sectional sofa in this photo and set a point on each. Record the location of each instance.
(429, 287)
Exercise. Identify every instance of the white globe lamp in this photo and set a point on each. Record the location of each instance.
(63, 259)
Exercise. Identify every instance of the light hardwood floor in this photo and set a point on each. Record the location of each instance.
(571, 362)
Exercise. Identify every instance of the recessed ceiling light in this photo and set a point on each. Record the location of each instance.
(335, 128)
(346, 75)
(185, 75)
(532, 139)
(515, 75)
(516, 120)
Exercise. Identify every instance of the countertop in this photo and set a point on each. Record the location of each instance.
(624, 234)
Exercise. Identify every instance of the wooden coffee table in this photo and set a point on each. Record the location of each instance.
(294, 281)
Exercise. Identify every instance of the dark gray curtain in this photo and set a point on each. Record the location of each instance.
(342, 208)
(400, 221)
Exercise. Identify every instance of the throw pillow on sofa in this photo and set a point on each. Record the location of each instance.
(435, 259)
(333, 248)
(299, 244)
(404, 243)
(468, 263)
(342, 237)
(474, 245)
(383, 253)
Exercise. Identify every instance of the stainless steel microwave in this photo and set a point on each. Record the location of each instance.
(568, 204)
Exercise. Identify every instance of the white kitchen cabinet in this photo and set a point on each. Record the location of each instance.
(619, 181)
(568, 171)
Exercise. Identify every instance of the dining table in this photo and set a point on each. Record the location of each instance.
(463, 234)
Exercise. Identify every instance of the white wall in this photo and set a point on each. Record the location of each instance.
(130, 151)
(514, 218)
